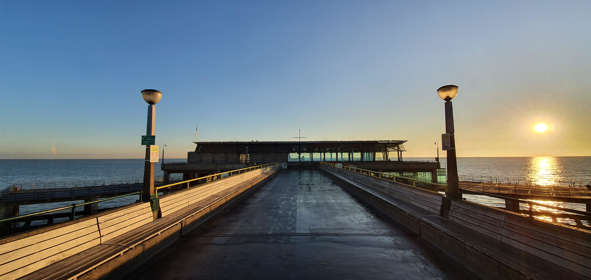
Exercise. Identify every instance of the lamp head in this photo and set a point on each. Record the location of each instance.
(447, 92)
(151, 96)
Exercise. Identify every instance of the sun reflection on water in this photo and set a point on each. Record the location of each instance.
(543, 171)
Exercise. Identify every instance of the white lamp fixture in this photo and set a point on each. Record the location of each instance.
(447, 92)
(151, 96)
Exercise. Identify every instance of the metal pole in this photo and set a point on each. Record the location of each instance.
(453, 191)
(148, 191)
(299, 145)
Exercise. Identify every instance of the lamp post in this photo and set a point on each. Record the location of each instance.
(151, 96)
(447, 93)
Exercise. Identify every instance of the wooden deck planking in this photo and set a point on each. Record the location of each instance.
(129, 232)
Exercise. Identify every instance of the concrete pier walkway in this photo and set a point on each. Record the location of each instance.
(300, 225)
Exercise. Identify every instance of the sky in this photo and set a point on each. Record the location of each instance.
(72, 71)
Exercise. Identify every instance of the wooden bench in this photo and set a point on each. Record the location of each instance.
(49, 252)
(175, 202)
(424, 199)
(405, 205)
(491, 243)
(121, 221)
(499, 244)
(25, 255)
(29, 252)
(568, 250)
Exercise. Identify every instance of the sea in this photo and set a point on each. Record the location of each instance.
(68, 173)
(42, 173)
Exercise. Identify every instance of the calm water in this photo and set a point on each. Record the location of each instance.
(539, 171)
(67, 173)
(31, 174)
(543, 171)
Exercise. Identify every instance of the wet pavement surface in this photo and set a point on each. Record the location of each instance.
(300, 225)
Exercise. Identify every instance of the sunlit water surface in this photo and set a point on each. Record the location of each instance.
(541, 172)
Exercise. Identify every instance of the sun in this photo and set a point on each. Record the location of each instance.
(540, 127)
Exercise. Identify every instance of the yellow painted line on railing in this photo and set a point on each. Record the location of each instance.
(384, 175)
(229, 172)
(11, 219)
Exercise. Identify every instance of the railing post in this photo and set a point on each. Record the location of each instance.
(512, 204)
(73, 212)
(90, 208)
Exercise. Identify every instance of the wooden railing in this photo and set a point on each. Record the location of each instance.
(187, 183)
(29, 252)
(409, 181)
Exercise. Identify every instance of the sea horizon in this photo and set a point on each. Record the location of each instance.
(405, 157)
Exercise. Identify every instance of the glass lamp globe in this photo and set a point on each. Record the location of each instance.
(447, 92)
(151, 96)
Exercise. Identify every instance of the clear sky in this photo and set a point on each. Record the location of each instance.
(71, 73)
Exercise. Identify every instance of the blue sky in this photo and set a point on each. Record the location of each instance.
(72, 72)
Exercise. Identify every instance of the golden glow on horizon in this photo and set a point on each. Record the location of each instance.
(540, 127)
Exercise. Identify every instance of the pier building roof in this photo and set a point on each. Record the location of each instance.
(295, 146)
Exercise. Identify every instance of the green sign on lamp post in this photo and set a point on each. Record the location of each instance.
(148, 140)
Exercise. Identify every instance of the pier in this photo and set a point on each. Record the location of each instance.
(300, 225)
(270, 140)
(307, 221)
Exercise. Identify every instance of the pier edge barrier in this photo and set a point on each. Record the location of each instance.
(430, 229)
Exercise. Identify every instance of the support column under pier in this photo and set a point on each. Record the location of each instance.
(166, 178)
(512, 205)
(7, 210)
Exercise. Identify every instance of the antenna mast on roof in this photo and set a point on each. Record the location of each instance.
(196, 135)
(299, 144)
(437, 146)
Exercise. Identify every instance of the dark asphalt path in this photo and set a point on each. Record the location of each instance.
(300, 225)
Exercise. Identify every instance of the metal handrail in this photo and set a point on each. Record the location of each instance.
(530, 203)
(382, 175)
(214, 176)
(73, 206)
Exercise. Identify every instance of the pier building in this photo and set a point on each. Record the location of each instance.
(215, 156)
